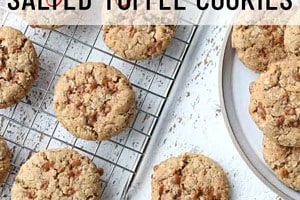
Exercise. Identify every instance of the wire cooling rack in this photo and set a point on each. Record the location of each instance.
(31, 126)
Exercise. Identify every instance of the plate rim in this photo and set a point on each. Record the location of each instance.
(238, 147)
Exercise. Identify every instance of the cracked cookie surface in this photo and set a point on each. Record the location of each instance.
(257, 46)
(189, 176)
(60, 174)
(284, 161)
(138, 42)
(275, 102)
(292, 40)
(4, 160)
(18, 66)
(94, 101)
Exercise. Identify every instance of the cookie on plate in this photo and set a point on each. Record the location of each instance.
(94, 101)
(18, 66)
(138, 42)
(284, 161)
(189, 176)
(57, 174)
(292, 40)
(275, 102)
(4, 160)
(257, 46)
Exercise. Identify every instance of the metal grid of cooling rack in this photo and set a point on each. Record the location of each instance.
(31, 126)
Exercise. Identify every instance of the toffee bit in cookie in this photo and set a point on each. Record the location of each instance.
(70, 191)
(92, 119)
(294, 123)
(48, 165)
(71, 174)
(208, 193)
(285, 98)
(290, 111)
(261, 111)
(93, 85)
(160, 189)
(17, 50)
(75, 163)
(283, 173)
(297, 76)
(176, 179)
(44, 185)
(197, 193)
(109, 85)
(105, 108)
(280, 121)
(30, 194)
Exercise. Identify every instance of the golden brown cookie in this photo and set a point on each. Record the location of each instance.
(94, 101)
(189, 176)
(18, 66)
(258, 46)
(275, 102)
(57, 174)
(4, 160)
(284, 161)
(138, 42)
(292, 40)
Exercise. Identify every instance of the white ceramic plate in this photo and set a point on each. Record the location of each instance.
(234, 89)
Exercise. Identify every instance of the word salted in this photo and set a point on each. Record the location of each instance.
(204, 5)
(47, 4)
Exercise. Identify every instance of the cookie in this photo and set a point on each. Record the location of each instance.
(52, 18)
(275, 102)
(94, 101)
(18, 66)
(189, 176)
(138, 42)
(284, 161)
(292, 40)
(258, 46)
(57, 174)
(4, 160)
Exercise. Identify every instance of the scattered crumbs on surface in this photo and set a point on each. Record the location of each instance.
(179, 119)
(218, 112)
(165, 140)
(179, 100)
(234, 174)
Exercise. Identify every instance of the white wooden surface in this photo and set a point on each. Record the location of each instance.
(195, 124)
